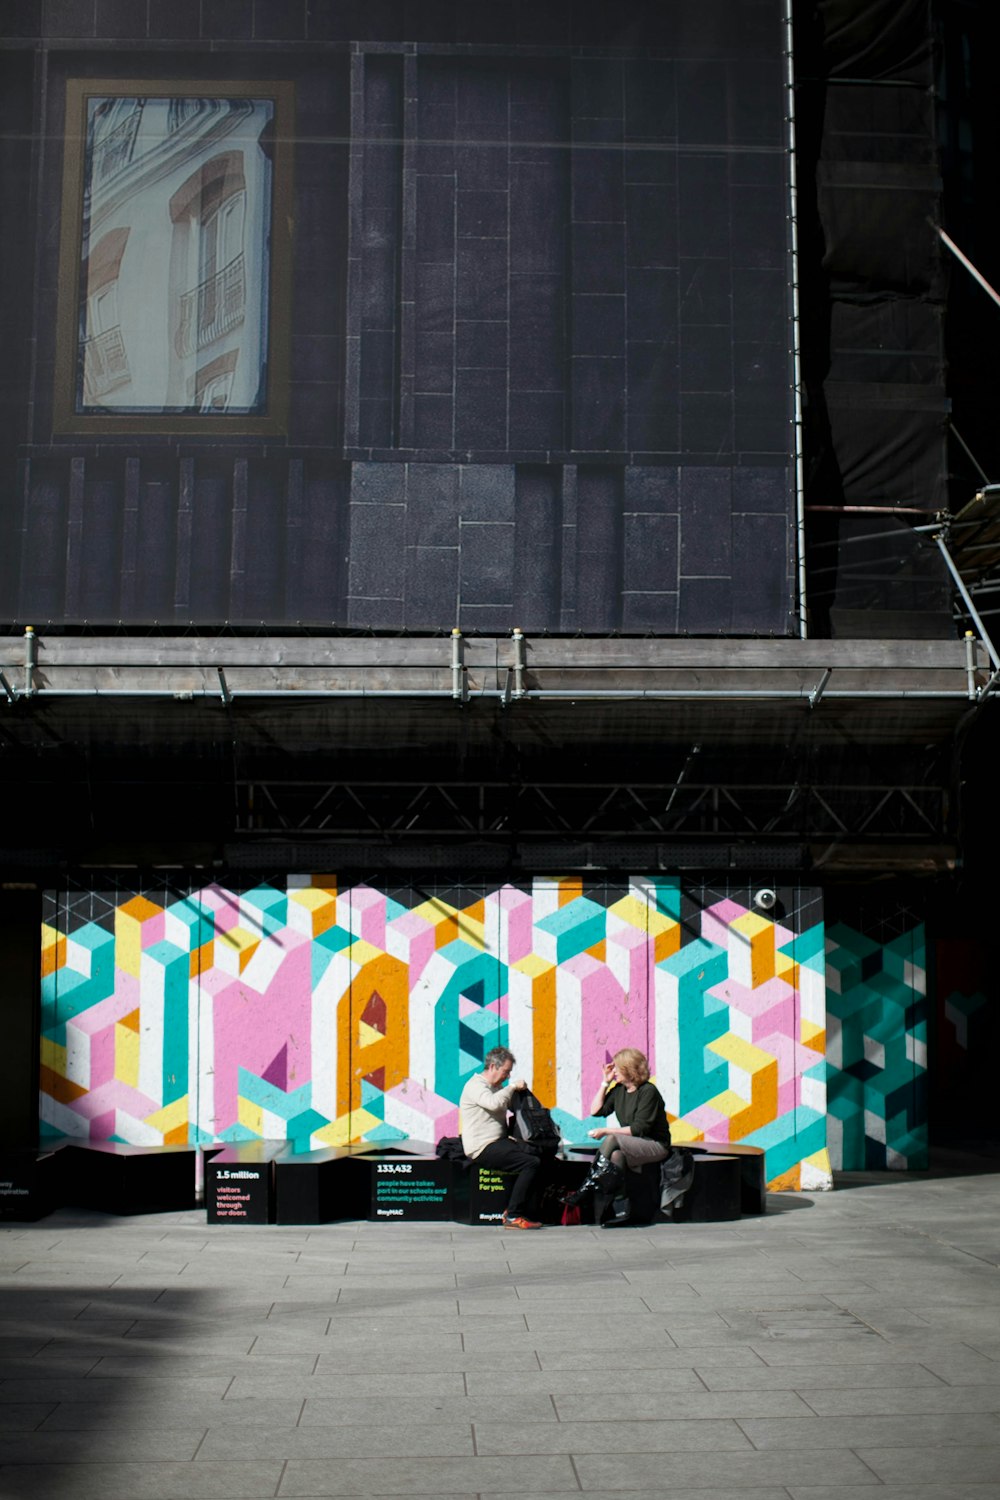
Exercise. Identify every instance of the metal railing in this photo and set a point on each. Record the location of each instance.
(105, 364)
(213, 308)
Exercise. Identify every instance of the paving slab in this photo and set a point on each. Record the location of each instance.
(846, 1344)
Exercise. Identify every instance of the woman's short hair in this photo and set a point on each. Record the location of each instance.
(499, 1057)
(632, 1065)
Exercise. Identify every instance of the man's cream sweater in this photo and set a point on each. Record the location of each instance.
(484, 1114)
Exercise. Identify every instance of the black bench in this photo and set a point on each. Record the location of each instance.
(239, 1181)
(121, 1179)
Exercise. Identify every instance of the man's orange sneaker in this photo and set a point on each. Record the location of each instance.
(514, 1221)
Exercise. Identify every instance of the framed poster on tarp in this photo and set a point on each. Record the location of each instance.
(174, 257)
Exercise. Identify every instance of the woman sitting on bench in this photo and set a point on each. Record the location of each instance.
(642, 1135)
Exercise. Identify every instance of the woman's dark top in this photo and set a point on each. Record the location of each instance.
(643, 1111)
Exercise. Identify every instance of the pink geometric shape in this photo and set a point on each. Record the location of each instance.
(113, 1096)
(276, 1071)
(411, 938)
(508, 922)
(770, 1008)
(250, 1028)
(221, 905)
(420, 1112)
(363, 912)
(713, 1125)
(631, 958)
(715, 921)
(154, 929)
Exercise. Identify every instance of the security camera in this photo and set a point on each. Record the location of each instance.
(765, 899)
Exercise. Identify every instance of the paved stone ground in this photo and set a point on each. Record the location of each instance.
(844, 1346)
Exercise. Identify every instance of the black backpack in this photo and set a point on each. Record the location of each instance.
(532, 1123)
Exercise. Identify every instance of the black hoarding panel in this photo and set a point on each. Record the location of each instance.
(468, 322)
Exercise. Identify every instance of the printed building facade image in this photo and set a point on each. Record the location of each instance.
(488, 556)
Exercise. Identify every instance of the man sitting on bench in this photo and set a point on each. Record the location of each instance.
(484, 1103)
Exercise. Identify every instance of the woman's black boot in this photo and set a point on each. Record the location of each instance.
(604, 1177)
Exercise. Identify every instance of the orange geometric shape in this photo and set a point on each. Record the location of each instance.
(202, 959)
(63, 1090)
(380, 986)
(788, 1182)
(129, 920)
(812, 1036)
(53, 950)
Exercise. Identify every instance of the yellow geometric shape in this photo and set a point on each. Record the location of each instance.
(442, 917)
(368, 1035)
(53, 950)
(787, 969)
(316, 909)
(234, 949)
(683, 1134)
(129, 921)
(346, 1128)
(816, 1174)
(53, 1056)
(812, 1035)
(541, 976)
(664, 931)
(788, 1182)
(172, 1122)
(126, 1055)
(751, 1101)
(469, 929)
(752, 956)
(171, 1118)
(250, 1115)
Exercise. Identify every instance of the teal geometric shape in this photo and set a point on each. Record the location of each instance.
(808, 949)
(301, 1127)
(268, 1096)
(576, 926)
(65, 992)
(196, 918)
(478, 973)
(851, 959)
(908, 950)
(375, 1105)
(234, 1134)
(372, 1099)
(268, 910)
(701, 1018)
(478, 1032)
(668, 897)
(467, 1065)
(176, 965)
(393, 909)
(324, 947)
(965, 1005)
(384, 1133)
(786, 1141)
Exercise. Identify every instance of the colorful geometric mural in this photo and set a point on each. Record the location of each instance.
(876, 1067)
(318, 1015)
